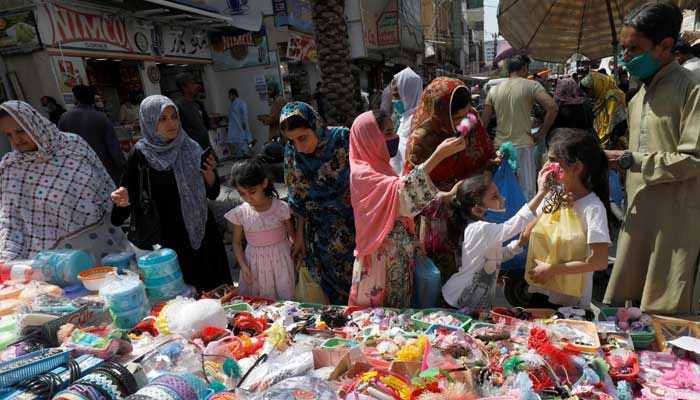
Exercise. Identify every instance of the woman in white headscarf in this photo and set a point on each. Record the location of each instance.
(52, 184)
(167, 166)
(407, 89)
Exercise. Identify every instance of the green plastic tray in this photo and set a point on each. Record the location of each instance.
(476, 325)
(641, 340)
(238, 308)
(466, 320)
(333, 343)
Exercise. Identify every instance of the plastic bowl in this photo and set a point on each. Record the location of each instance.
(94, 278)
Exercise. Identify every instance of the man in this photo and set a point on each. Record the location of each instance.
(272, 120)
(129, 111)
(658, 248)
(95, 128)
(512, 102)
(52, 108)
(239, 136)
(191, 111)
(685, 54)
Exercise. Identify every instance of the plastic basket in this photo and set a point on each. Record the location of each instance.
(466, 320)
(435, 327)
(476, 325)
(537, 313)
(641, 339)
(333, 343)
(18, 374)
(589, 328)
(238, 308)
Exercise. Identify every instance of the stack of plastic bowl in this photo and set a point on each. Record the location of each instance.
(162, 275)
(121, 260)
(62, 267)
(126, 298)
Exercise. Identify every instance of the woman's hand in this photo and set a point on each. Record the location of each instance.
(247, 275)
(120, 197)
(208, 170)
(542, 271)
(497, 159)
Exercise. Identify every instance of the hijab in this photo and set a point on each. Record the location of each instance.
(374, 185)
(182, 155)
(568, 92)
(610, 107)
(410, 87)
(50, 193)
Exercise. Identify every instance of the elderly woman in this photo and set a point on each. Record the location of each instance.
(52, 184)
(384, 205)
(609, 108)
(317, 172)
(445, 102)
(165, 173)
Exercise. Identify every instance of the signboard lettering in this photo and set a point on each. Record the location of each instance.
(73, 26)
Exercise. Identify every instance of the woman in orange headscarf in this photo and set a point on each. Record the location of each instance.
(445, 102)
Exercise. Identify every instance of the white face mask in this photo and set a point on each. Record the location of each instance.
(501, 210)
(99, 104)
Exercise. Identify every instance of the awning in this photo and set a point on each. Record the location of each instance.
(247, 17)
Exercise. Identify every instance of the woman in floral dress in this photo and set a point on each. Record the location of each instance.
(445, 102)
(383, 204)
(317, 173)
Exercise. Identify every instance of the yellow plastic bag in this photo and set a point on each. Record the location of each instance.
(558, 238)
(308, 290)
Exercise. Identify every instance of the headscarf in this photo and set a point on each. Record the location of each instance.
(435, 122)
(610, 107)
(410, 86)
(374, 185)
(568, 92)
(50, 193)
(182, 155)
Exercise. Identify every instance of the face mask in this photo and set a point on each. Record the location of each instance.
(398, 106)
(392, 144)
(99, 104)
(641, 66)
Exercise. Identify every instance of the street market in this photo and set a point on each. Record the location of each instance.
(183, 217)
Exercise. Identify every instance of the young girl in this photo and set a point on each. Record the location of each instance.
(267, 268)
(585, 176)
(474, 285)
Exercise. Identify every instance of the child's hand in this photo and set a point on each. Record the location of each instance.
(542, 272)
(543, 181)
(525, 235)
(247, 276)
(298, 251)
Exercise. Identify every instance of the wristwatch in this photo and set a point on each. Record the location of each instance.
(626, 160)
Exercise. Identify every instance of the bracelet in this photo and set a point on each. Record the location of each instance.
(122, 376)
(91, 391)
(69, 395)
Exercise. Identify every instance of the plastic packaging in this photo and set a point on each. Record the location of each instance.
(126, 298)
(301, 387)
(121, 260)
(295, 361)
(62, 267)
(21, 271)
(427, 283)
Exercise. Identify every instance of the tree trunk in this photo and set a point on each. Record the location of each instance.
(333, 46)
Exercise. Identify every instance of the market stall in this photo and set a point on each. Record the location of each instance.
(131, 328)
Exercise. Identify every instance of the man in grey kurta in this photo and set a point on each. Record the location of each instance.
(659, 245)
(191, 111)
(94, 126)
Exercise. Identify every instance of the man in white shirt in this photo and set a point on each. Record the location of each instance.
(685, 54)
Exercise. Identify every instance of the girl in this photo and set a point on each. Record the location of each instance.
(267, 268)
(474, 285)
(585, 176)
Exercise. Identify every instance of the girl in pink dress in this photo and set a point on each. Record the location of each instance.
(267, 268)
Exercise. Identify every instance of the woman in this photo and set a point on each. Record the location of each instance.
(317, 173)
(574, 112)
(407, 87)
(383, 202)
(610, 109)
(445, 102)
(53, 184)
(179, 182)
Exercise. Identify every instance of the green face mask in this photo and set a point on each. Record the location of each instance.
(641, 66)
(398, 106)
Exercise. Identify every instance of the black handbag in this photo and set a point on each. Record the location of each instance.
(145, 229)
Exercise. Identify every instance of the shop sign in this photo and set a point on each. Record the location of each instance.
(18, 32)
(301, 48)
(296, 13)
(388, 29)
(238, 49)
(70, 72)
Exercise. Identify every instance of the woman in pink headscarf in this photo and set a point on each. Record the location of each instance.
(384, 205)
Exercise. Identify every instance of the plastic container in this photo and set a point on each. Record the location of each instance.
(155, 283)
(641, 339)
(159, 263)
(427, 284)
(121, 260)
(166, 290)
(62, 267)
(466, 320)
(94, 278)
(238, 308)
(333, 343)
(124, 293)
(587, 327)
(75, 291)
(128, 319)
(21, 271)
(537, 313)
(17, 374)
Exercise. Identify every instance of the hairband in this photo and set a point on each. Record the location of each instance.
(159, 393)
(180, 385)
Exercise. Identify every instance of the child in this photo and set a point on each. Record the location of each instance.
(585, 177)
(267, 268)
(474, 285)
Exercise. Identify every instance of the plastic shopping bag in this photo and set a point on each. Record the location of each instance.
(510, 188)
(558, 238)
(427, 283)
(308, 290)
